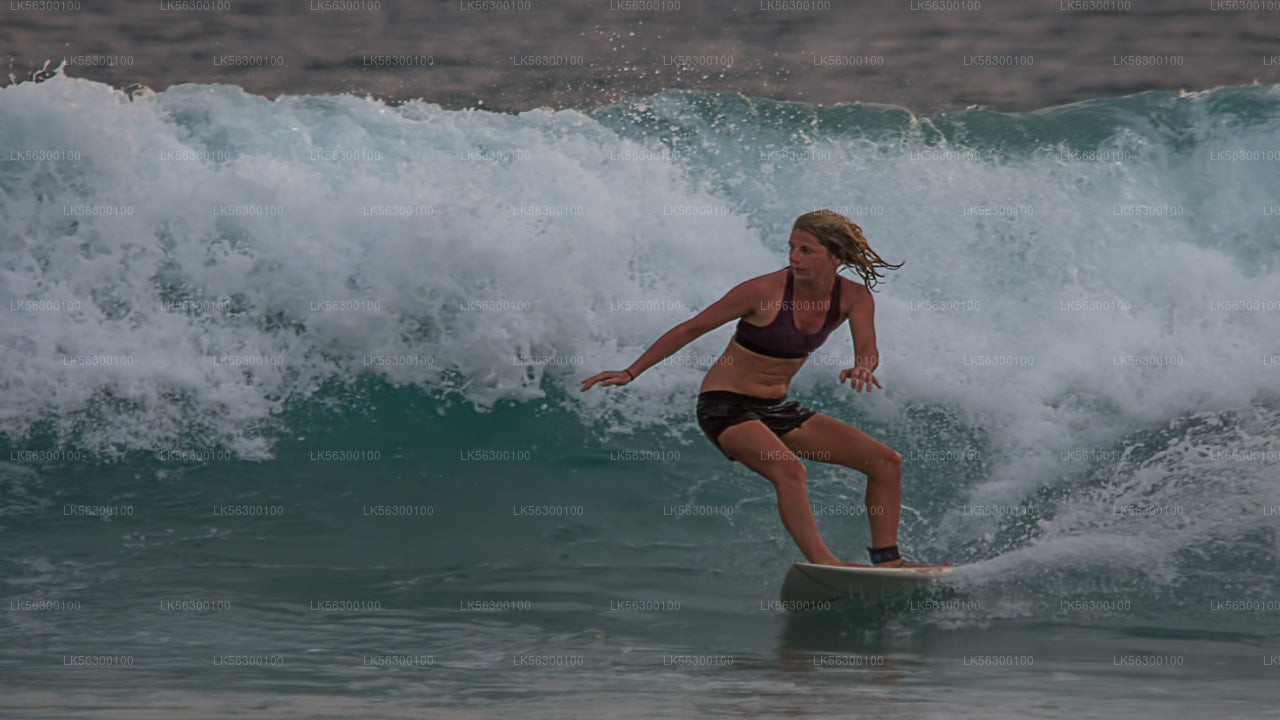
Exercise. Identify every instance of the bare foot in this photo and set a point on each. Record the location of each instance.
(900, 563)
(839, 563)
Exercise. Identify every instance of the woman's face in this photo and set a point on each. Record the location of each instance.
(808, 258)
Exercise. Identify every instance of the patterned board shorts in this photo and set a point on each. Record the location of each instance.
(720, 409)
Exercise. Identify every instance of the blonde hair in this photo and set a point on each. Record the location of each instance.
(843, 239)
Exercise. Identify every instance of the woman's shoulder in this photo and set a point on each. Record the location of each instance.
(852, 293)
(767, 282)
(852, 287)
(773, 274)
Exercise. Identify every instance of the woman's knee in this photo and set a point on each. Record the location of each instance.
(893, 459)
(888, 462)
(788, 474)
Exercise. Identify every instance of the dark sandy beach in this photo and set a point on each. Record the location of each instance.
(922, 54)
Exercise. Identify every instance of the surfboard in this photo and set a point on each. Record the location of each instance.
(807, 584)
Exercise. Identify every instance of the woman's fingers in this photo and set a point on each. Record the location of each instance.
(605, 379)
(859, 378)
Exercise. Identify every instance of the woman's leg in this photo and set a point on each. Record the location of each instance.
(825, 439)
(754, 445)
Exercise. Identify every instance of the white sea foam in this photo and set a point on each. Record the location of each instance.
(273, 246)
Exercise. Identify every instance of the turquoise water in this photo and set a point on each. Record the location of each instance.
(291, 416)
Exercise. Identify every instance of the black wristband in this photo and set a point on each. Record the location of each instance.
(628, 372)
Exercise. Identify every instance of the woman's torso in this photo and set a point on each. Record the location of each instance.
(750, 373)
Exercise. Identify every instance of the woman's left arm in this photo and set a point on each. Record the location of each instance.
(862, 325)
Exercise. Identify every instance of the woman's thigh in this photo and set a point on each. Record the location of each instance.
(822, 438)
(754, 445)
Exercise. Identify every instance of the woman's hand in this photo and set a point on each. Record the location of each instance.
(859, 377)
(606, 378)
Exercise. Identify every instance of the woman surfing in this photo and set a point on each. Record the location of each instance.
(742, 404)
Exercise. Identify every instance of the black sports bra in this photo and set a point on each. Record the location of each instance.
(781, 338)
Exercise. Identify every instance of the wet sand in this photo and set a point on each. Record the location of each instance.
(928, 55)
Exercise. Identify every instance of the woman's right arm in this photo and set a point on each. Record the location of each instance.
(737, 303)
